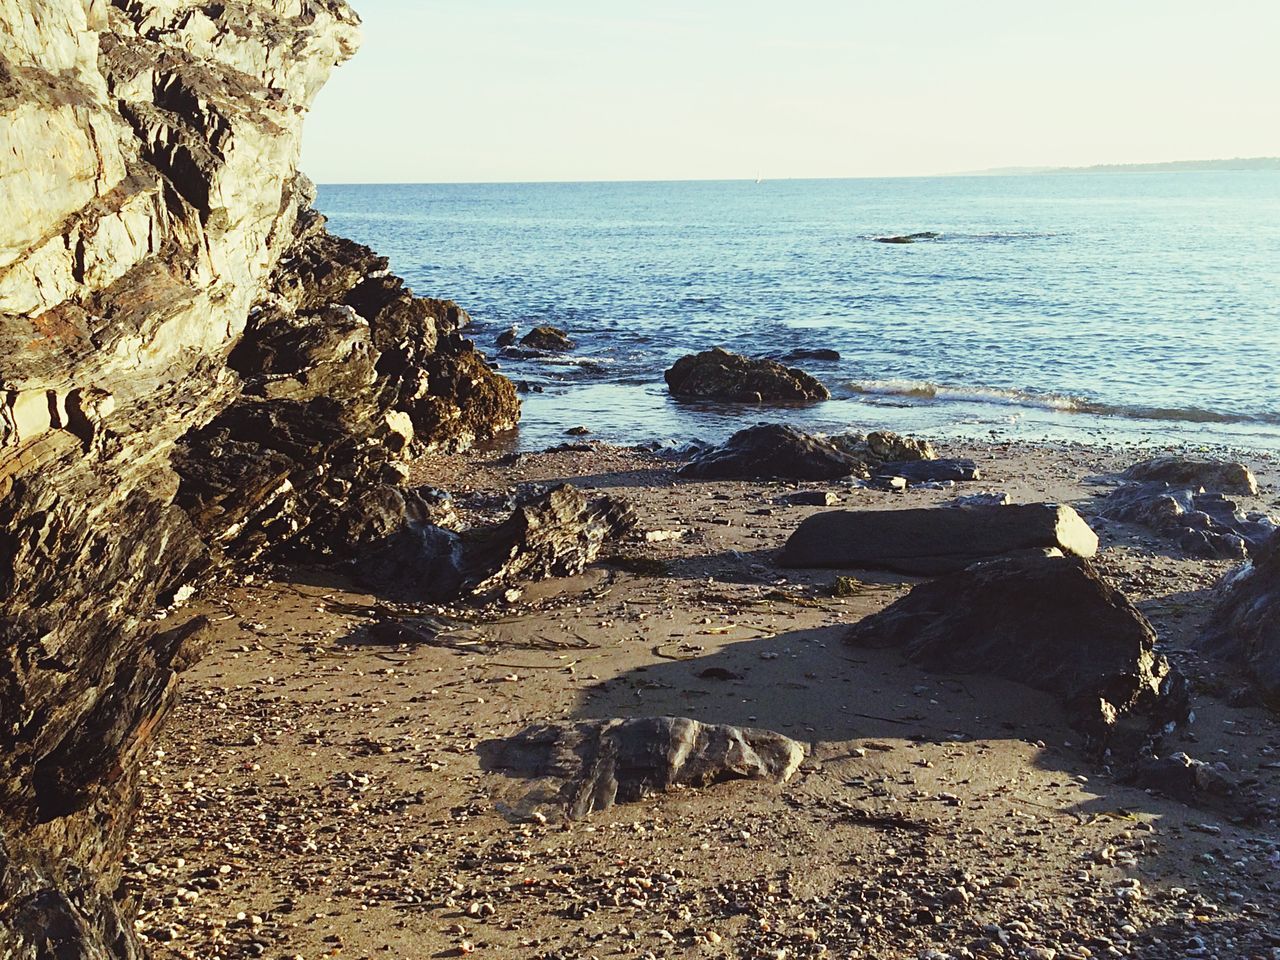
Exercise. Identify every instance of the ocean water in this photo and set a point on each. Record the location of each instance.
(1136, 307)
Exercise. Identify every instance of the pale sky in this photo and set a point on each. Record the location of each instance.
(495, 90)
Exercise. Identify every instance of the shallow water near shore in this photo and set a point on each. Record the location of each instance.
(1131, 307)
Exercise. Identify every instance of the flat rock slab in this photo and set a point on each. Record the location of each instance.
(593, 764)
(1223, 476)
(773, 450)
(1244, 628)
(1051, 623)
(927, 541)
(929, 471)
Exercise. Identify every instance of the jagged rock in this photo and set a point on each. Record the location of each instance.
(928, 470)
(191, 371)
(933, 540)
(882, 445)
(1203, 524)
(597, 763)
(720, 375)
(554, 535)
(1189, 473)
(1050, 622)
(773, 450)
(991, 498)
(910, 237)
(547, 338)
(1244, 628)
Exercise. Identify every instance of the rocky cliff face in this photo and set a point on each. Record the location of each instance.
(192, 370)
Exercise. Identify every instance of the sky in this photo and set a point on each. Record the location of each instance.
(498, 90)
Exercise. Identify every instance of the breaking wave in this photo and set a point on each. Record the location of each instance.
(1062, 403)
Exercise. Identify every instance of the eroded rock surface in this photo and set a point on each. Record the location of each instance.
(774, 450)
(1201, 523)
(720, 375)
(593, 764)
(191, 370)
(554, 535)
(1223, 476)
(1050, 622)
(934, 540)
(1244, 628)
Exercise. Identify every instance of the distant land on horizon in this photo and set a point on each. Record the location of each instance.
(1168, 166)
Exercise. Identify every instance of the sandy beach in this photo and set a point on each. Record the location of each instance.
(321, 789)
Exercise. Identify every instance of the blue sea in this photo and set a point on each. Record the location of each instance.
(1138, 307)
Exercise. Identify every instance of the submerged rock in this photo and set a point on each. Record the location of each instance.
(554, 535)
(720, 375)
(934, 540)
(820, 354)
(1190, 473)
(773, 450)
(1050, 622)
(1244, 628)
(594, 764)
(547, 338)
(910, 237)
(1203, 524)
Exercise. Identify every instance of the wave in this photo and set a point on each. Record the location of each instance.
(1060, 403)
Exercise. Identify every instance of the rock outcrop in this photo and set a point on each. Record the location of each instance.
(593, 764)
(773, 450)
(191, 371)
(928, 541)
(1244, 627)
(717, 374)
(546, 338)
(1204, 524)
(1050, 622)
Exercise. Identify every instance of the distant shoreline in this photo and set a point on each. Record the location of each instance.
(1169, 166)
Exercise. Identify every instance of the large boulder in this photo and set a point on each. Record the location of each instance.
(934, 540)
(1191, 473)
(594, 764)
(773, 450)
(1050, 622)
(718, 374)
(1244, 627)
(547, 338)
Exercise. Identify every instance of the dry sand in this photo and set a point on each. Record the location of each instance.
(319, 791)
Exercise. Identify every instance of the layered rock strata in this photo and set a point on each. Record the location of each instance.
(191, 370)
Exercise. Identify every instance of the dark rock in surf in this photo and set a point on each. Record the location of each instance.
(548, 339)
(1244, 628)
(1189, 473)
(819, 354)
(507, 337)
(554, 535)
(928, 541)
(1050, 622)
(598, 763)
(773, 450)
(720, 375)
(910, 237)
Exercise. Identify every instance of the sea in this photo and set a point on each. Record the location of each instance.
(1139, 308)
